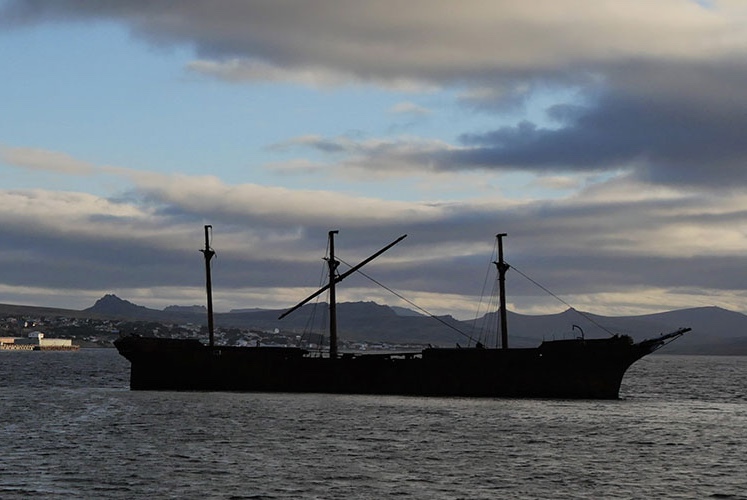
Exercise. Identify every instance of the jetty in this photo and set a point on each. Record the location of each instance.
(36, 342)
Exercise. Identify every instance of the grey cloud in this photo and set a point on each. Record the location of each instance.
(670, 111)
(684, 131)
(666, 123)
(418, 40)
(570, 246)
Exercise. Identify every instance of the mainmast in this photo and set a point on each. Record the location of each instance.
(333, 280)
(332, 264)
(209, 254)
(502, 269)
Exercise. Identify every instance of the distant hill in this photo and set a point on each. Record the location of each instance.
(403, 311)
(186, 309)
(247, 310)
(112, 305)
(715, 330)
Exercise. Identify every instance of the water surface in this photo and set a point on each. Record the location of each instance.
(70, 428)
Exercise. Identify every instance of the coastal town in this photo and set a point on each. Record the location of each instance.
(92, 332)
(101, 333)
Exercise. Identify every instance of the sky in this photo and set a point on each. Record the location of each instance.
(606, 138)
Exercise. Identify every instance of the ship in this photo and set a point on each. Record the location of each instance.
(574, 368)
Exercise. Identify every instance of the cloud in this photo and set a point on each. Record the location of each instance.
(658, 89)
(558, 183)
(45, 161)
(640, 104)
(425, 40)
(685, 133)
(319, 143)
(299, 166)
(409, 108)
(606, 241)
(383, 157)
(256, 71)
(675, 132)
(241, 70)
(274, 205)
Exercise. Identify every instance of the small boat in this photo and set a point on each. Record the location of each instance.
(578, 368)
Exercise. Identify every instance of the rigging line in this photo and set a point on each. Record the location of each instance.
(393, 292)
(489, 326)
(315, 307)
(484, 286)
(481, 326)
(563, 301)
(311, 320)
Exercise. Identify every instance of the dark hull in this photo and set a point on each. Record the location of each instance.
(581, 369)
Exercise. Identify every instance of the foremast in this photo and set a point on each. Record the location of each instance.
(209, 253)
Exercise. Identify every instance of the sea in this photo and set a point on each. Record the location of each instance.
(71, 428)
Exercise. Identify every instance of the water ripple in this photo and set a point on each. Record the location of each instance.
(71, 429)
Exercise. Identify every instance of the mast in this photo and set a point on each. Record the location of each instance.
(332, 264)
(333, 280)
(502, 269)
(209, 254)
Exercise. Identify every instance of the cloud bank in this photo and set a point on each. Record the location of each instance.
(609, 239)
(641, 111)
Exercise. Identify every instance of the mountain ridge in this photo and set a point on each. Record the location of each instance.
(715, 330)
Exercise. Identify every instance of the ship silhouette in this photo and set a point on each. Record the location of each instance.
(577, 368)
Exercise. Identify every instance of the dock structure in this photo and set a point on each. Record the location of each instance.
(10, 344)
(36, 342)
